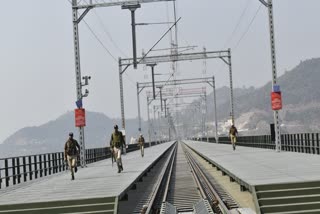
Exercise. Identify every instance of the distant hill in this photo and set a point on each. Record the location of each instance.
(51, 136)
(301, 101)
(301, 109)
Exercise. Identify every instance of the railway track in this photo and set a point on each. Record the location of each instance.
(178, 184)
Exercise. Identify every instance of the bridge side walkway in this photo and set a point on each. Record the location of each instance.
(255, 166)
(97, 180)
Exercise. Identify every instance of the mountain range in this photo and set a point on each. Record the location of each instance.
(300, 90)
(301, 109)
(51, 136)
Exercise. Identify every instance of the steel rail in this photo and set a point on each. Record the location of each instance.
(160, 179)
(198, 173)
(165, 194)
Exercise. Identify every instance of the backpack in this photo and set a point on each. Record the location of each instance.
(71, 147)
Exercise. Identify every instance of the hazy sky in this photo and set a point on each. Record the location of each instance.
(37, 55)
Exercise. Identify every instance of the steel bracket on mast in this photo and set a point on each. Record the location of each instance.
(141, 89)
(225, 61)
(83, 14)
(265, 3)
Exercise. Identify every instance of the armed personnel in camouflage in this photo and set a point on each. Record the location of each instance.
(233, 132)
(71, 152)
(141, 144)
(116, 144)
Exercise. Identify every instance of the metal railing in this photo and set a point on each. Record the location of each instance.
(303, 142)
(15, 170)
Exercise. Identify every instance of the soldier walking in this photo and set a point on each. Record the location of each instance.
(116, 144)
(71, 152)
(233, 132)
(141, 144)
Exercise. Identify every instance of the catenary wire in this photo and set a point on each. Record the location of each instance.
(238, 23)
(108, 34)
(248, 28)
(104, 47)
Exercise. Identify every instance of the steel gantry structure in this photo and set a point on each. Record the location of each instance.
(162, 84)
(167, 96)
(198, 104)
(224, 55)
(86, 6)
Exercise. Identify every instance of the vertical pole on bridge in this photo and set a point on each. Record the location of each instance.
(231, 87)
(215, 109)
(274, 73)
(149, 126)
(269, 5)
(123, 124)
(139, 113)
(78, 76)
(159, 132)
(152, 75)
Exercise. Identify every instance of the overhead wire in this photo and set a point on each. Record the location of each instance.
(238, 23)
(106, 49)
(98, 39)
(249, 26)
(104, 28)
(101, 43)
(246, 31)
(243, 36)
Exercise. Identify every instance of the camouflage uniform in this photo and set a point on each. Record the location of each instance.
(116, 144)
(141, 144)
(233, 136)
(71, 151)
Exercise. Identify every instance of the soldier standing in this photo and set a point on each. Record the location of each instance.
(116, 143)
(71, 152)
(141, 144)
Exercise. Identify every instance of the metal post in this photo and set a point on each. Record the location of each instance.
(134, 42)
(132, 9)
(149, 122)
(139, 113)
(121, 96)
(160, 88)
(169, 125)
(274, 70)
(165, 107)
(274, 74)
(231, 87)
(215, 109)
(154, 90)
(169, 130)
(154, 123)
(78, 77)
(205, 116)
(159, 132)
(153, 85)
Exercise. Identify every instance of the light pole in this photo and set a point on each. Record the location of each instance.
(269, 5)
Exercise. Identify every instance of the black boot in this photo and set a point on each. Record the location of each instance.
(119, 166)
